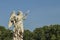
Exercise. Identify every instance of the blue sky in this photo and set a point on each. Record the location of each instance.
(42, 12)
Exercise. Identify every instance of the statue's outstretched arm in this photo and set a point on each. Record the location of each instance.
(24, 16)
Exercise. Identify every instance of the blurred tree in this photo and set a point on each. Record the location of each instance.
(27, 35)
(37, 34)
(51, 32)
(53, 37)
(5, 34)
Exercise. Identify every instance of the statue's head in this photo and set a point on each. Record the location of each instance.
(20, 13)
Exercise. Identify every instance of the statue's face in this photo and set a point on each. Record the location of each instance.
(20, 15)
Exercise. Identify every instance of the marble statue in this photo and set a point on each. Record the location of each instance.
(17, 21)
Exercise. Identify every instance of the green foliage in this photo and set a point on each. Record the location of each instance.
(27, 35)
(51, 32)
(53, 37)
(5, 34)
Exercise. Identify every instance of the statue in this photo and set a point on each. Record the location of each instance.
(17, 22)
